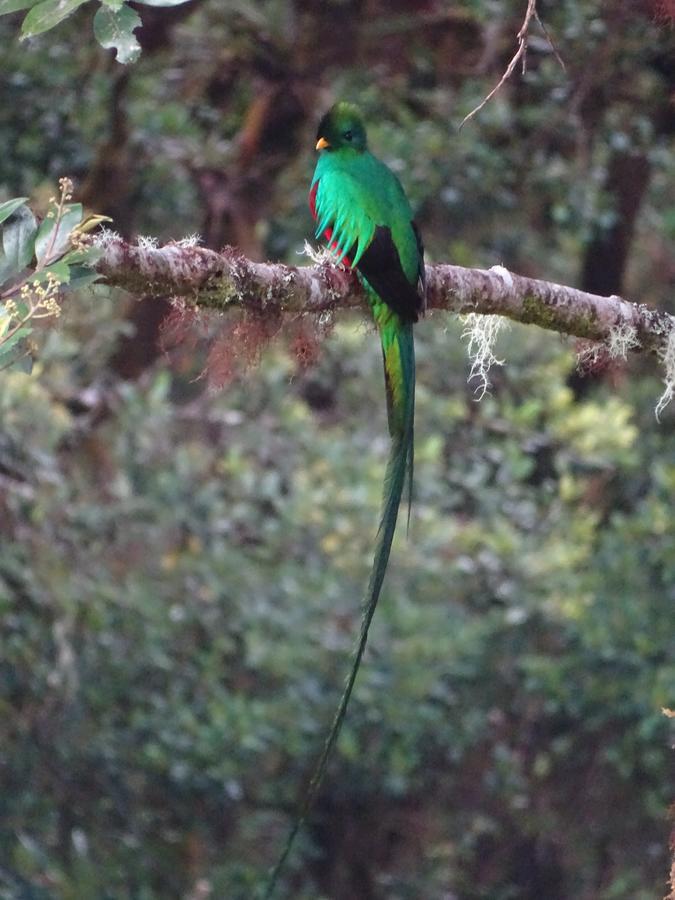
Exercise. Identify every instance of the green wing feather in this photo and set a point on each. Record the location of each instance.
(337, 209)
(352, 202)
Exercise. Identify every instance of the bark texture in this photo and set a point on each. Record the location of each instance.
(227, 279)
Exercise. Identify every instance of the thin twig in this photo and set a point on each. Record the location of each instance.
(551, 42)
(520, 54)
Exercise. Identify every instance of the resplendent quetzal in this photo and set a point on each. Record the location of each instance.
(365, 217)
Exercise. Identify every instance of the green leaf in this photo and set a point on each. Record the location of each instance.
(114, 29)
(24, 363)
(162, 2)
(81, 277)
(48, 14)
(15, 350)
(5, 321)
(18, 240)
(22, 332)
(87, 257)
(60, 269)
(10, 6)
(49, 243)
(7, 208)
(18, 358)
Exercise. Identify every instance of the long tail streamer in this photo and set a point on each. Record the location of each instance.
(399, 369)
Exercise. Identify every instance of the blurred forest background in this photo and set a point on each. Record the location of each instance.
(181, 567)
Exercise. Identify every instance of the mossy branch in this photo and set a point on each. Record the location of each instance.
(227, 279)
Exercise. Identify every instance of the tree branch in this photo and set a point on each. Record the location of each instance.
(225, 280)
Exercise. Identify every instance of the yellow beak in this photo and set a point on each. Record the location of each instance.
(322, 143)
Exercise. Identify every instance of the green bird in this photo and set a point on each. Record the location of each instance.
(364, 215)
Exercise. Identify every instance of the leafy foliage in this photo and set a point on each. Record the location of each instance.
(178, 620)
(114, 23)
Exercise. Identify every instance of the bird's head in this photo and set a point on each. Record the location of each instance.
(342, 127)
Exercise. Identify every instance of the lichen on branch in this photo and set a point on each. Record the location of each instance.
(212, 280)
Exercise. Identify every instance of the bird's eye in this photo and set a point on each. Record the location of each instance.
(348, 135)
